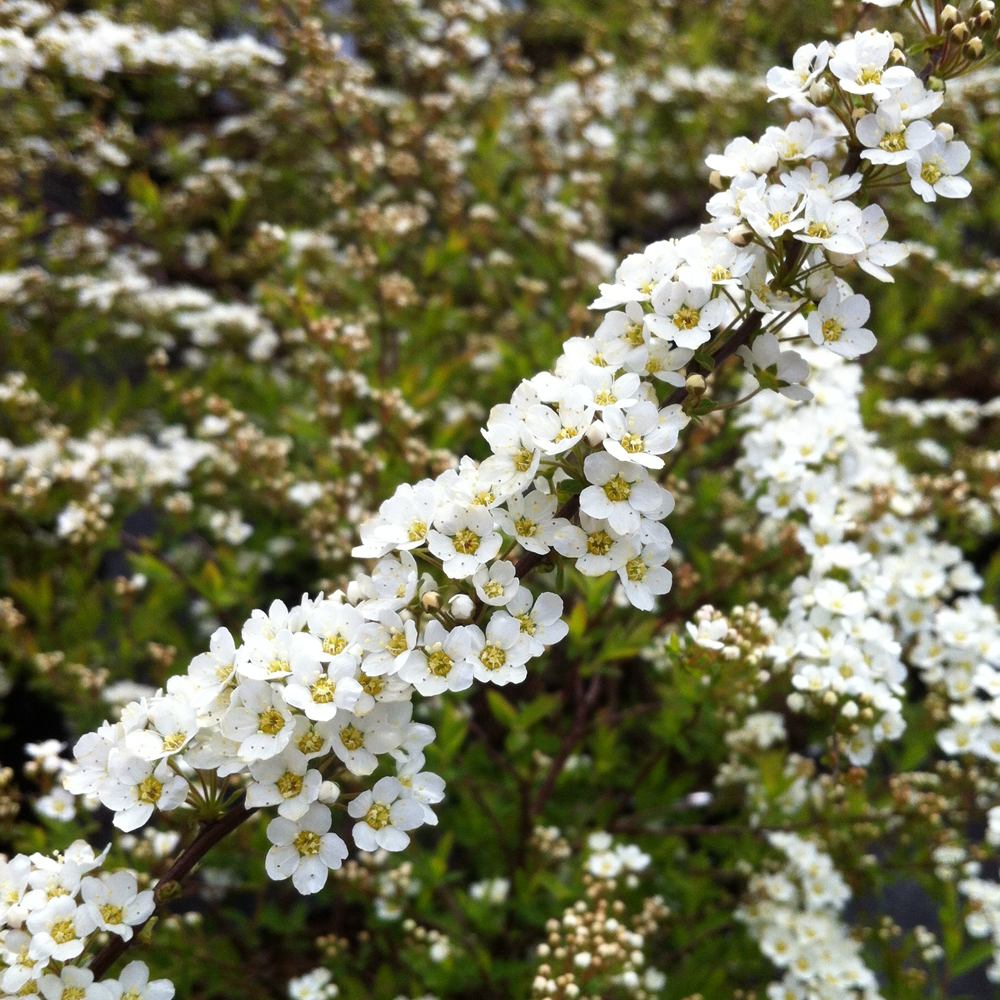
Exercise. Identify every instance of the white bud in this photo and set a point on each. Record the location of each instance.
(850, 710)
(945, 130)
(596, 433)
(461, 607)
(329, 792)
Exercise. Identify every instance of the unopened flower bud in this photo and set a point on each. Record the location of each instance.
(461, 607)
(715, 180)
(946, 130)
(595, 433)
(898, 40)
(897, 57)
(740, 235)
(329, 792)
(830, 698)
(695, 386)
(935, 83)
(820, 93)
(858, 113)
(973, 49)
(960, 32)
(985, 21)
(949, 17)
(431, 601)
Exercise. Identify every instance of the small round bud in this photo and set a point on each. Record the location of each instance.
(715, 180)
(960, 32)
(946, 130)
(985, 21)
(820, 93)
(897, 57)
(168, 890)
(596, 433)
(431, 601)
(858, 113)
(461, 607)
(973, 49)
(936, 84)
(949, 17)
(329, 792)
(695, 386)
(740, 235)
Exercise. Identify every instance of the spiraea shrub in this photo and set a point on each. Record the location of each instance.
(499, 500)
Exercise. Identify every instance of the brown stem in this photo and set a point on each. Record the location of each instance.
(208, 837)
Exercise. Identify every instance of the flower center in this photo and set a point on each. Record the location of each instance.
(527, 623)
(832, 329)
(466, 542)
(417, 530)
(72, 993)
(278, 666)
(523, 459)
(289, 785)
(653, 365)
(893, 142)
(599, 543)
(868, 75)
(493, 588)
(112, 914)
(778, 219)
(820, 230)
(686, 318)
(334, 644)
(307, 843)
(482, 499)
(492, 657)
(439, 663)
(310, 742)
(634, 334)
(617, 489)
(149, 790)
(931, 173)
(352, 738)
(377, 816)
(371, 685)
(720, 273)
(525, 527)
(397, 644)
(636, 569)
(270, 722)
(605, 398)
(63, 931)
(174, 742)
(323, 691)
(632, 443)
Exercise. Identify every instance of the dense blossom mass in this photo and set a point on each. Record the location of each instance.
(315, 712)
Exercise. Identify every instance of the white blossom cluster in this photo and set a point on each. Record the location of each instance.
(51, 908)
(794, 915)
(962, 415)
(874, 586)
(91, 46)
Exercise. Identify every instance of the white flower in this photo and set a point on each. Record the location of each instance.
(531, 520)
(664, 362)
(557, 432)
(464, 538)
(708, 633)
(58, 929)
(798, 141)
(860, 65)
(335, 625)
(115, 904)
(304, 849)
(838, 323)
(137, 786)
(498, 584)
(888, 138)
(878, 253)
(541, 624)
(409, 513)
(637, 435)
(932, 172)
(774, 369)
(259, 720)
(834, 225)
(212, 671)
(174, 724)
(133, 984)
(284, 781)
(491, 890)
(58, 804)
(515, 452)
(499, 657)
(384, 817)
(315, 985)
(321, 690)
(638, 275)
(422, 786)
(807, 64)
(443, 664)
(357, 741)
(621, 492)
(742, 155)
(265, 659)
(596, 546)
(388, 643)
(776, 213)
(644, 577)
(685, 314)
(73, 983)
